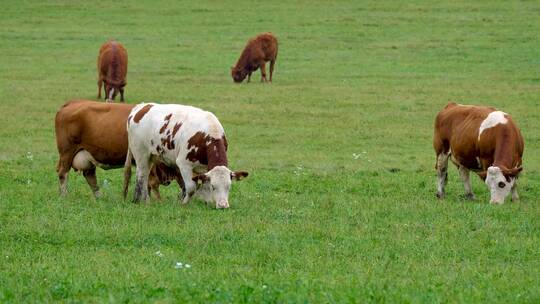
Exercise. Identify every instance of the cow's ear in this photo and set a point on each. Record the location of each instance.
(482, 174)
(239, 175)
(512, 172)
(200, 179)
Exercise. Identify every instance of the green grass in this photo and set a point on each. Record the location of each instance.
(340, 203)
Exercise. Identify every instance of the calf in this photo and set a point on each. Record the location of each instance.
(483, 140)
(93, 134)
(256, 53)
(112, 69)
(182, 136)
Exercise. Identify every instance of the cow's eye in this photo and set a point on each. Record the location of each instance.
(502, 184)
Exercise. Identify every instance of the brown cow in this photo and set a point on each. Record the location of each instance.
(112, 69)
(257, 52)
(483, 140)
(93, 134)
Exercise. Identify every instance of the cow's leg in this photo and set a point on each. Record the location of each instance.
(442, 173)
(99, 83)
(249, 77)
(189, 185)
(263, 72)
(515, 195)
(63, 167)
(122, 94)
(90, 175)
(143, 171)
(180, 182)
(63, 171)
(464, 174)
(272, 62)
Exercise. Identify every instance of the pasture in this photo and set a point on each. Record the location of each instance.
(340, 203)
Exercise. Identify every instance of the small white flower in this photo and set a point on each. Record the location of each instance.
(178, 265)
(187, 266)
(29, 155)
(264, 286)
(159, 254)
(355, 156)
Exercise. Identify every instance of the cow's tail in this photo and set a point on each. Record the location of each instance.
(127, 172)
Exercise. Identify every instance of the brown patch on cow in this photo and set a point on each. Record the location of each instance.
(168, 142)
(140, 114)
(166, 124)
(256, 53)
(176, 128)
(207, 150)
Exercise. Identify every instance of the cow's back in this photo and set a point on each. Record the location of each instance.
(460, 122)
(112, 61)
(99, 128)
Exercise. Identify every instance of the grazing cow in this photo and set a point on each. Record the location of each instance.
(93, 134)
(257, 52)
(112, 69)
(188, 137)
(483, 140)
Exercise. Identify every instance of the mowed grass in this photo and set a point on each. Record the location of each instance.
(340, 203)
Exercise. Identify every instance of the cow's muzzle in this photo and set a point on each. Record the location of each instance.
(222, 205)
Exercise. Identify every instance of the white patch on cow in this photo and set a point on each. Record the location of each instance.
(215, 148)
(493, 119)
(111, 92)
(494, 180)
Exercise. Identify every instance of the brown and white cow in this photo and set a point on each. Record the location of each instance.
(112, 69)
(256, 53)
(483, 140)
(185, 136)
(92, 134)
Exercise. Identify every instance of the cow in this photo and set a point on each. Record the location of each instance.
(479, 139)
(112, 69)
(189, 138)
(92, 134)
(257, 52)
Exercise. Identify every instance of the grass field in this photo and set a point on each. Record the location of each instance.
(340, 203)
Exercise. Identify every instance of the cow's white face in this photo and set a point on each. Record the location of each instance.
(217, 184)
(498, 185)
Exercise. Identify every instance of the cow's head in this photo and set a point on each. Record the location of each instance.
(112, 89)
(500, 181)
(238, 74)
(215, 184)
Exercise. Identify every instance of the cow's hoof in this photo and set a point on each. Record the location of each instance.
(98, 194)
(469, 197)
(440, 195)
